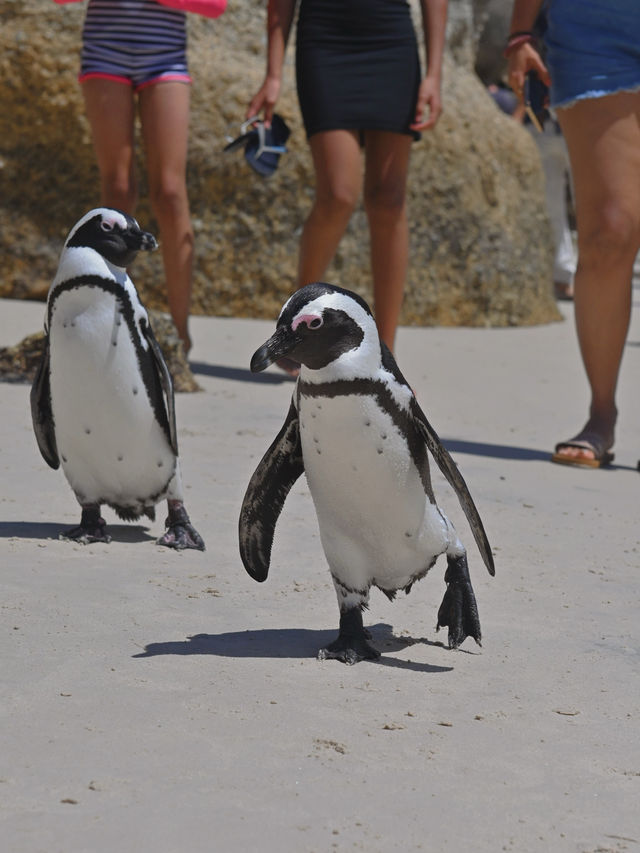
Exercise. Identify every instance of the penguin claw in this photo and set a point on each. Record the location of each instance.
(339, 650)
(92, 528)
(351, 644)
(85, 535)
(459, 610)
(180, 533)
(181, 536)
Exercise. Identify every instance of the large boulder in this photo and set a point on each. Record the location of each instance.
(492, 28)
(19, 363)
(481, 249)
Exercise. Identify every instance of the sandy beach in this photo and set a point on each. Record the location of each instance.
(156, 701)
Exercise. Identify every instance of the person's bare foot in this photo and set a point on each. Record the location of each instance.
(563, 291)
(186, 343)
(591, 447)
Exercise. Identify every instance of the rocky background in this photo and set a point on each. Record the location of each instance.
(480, 243)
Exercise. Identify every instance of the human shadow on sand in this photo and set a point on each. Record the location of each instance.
(289, 643)
(505, 451)
(495, 451)
(52, 530)
(239, 374)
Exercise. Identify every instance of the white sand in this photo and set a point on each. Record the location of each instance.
(160, 702)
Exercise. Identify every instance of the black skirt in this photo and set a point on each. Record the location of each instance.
(357, 65)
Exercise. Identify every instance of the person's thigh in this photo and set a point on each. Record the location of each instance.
(164, 116)
(603, 138)
(110, 108)
(387, 165)
(337, 162)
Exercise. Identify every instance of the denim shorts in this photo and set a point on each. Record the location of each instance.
(593, 48)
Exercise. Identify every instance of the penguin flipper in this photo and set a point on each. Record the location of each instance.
(165, 381)
(455, 479)
(266, 493)
(41, 413)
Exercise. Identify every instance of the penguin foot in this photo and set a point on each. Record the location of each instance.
(459, 610)
(180, 533)
(92, 528)
(351, 644)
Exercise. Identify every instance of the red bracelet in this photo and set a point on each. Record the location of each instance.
(515, 40)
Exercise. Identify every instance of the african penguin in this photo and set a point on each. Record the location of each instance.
(356, 430)
(102, 401)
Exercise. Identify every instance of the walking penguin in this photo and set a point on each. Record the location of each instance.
(356, 430)
(102, 400)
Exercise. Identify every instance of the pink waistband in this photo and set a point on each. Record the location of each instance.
(163, 78)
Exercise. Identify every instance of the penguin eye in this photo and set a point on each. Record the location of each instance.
(315, 323)
(106, 225)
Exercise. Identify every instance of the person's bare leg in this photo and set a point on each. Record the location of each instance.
(337, 163)
(164, 114)
(387, 164)
(110, 108)
(603, 136)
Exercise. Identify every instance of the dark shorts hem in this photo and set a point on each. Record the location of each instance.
(361, 129)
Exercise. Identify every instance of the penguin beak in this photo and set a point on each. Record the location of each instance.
(148, 242)
(278, 346)
(138, 240)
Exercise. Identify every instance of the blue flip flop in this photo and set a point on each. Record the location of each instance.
(263, 146)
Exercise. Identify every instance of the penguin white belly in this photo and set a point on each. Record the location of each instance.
(112, 448)
(376, 522)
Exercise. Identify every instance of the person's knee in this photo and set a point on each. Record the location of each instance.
(120, 191)
(613, 236)
(337, 200)
(169, 196)
(385, 198)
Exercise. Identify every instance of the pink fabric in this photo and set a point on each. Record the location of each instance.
(208, 8)
(100, 75)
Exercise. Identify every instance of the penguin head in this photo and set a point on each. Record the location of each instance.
(322, 326)
(114, 235)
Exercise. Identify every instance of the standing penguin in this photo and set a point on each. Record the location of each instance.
(102, 400)
(355, 428)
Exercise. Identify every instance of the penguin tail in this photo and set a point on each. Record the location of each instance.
(129, 513)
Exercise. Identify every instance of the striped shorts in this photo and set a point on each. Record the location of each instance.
(137, 42)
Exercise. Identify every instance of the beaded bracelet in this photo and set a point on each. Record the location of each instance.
(516, 39)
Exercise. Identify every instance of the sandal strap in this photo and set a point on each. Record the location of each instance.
(595, 445)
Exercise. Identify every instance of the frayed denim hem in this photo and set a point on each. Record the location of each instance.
(592, 95)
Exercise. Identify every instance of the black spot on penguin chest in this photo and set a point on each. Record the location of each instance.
(144, 367)
(371, 430)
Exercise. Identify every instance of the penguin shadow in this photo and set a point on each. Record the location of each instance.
(290, 643)
(130, 533)
(239, 374)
